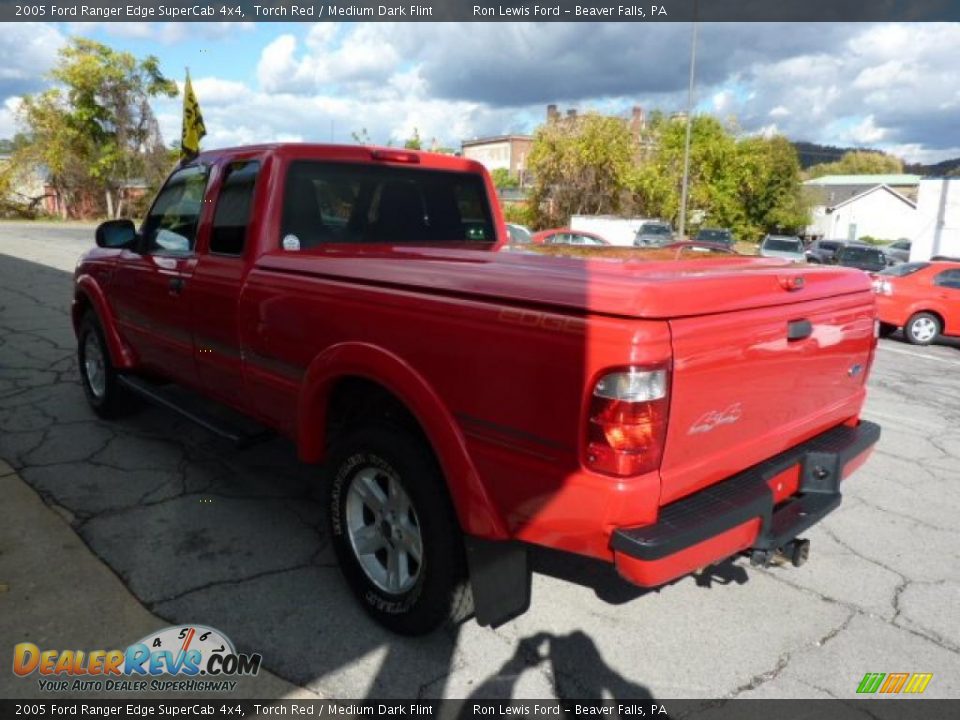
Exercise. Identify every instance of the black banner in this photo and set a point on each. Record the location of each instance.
(480, 10)
(854, 709)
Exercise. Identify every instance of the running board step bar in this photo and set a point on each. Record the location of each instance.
(236, 428)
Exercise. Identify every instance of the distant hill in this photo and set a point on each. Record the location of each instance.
(815, 154)
(946, 167)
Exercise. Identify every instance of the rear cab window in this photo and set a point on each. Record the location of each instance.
(862, 253)
(328, 202)
(783, 244)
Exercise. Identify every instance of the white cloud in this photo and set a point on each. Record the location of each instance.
(168, 33)
(8, 117)
(27, 52)
(866, 132)
(362, 55)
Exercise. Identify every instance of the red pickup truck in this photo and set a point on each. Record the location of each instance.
(466, 403)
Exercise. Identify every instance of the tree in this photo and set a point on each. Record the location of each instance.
(769, 187)
(750, 185)
(413, 143)
(581, 165)
(362, 137)
(859, 162)
(503, 179)
(713, 172)
(96, 131)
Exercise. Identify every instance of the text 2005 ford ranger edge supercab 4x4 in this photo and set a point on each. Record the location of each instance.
(658, 415)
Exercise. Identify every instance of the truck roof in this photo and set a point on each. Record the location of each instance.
(346, 153)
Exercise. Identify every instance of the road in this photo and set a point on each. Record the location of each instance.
(199, 532)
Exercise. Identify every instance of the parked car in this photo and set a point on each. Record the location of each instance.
(923, 298)
(687, 248)
(519, 234)
(566, 236)
(822, 251)
(863, 257)
(718, 236)
(898, 251)
(352, 299)
(789, 247)
(653, 234)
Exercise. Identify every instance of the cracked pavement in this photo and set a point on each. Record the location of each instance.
(200, 532)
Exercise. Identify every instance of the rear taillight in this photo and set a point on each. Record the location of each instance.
(882, 287)
(627, 421)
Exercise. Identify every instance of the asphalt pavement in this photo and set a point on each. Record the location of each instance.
(176, 526)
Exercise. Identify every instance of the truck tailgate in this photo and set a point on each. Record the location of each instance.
(744, 391)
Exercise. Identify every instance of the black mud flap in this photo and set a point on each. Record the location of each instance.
(500, 580)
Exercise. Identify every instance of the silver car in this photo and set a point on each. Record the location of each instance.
(899, 251)
(788, 247)
(653, 234)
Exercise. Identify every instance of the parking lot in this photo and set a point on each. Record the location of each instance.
(202, 533)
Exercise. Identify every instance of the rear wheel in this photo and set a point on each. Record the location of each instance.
(922, 328)
(97, 374)
(394, 531)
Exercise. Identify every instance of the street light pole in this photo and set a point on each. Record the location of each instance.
(686, 148)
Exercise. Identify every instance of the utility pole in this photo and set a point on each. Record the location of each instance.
(686, 148)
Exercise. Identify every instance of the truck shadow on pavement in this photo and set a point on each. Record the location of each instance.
(202, 533)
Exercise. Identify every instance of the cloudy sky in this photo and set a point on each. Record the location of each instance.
(889, 86)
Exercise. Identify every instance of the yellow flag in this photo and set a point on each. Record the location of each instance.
(193, 127)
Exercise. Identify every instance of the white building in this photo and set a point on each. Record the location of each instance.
(938, 207)
(878, 211)
(507, 152)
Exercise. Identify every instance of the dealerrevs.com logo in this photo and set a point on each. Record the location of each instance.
(179, 658)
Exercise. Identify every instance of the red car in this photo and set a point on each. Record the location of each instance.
(923, 298)
(566, 236)
(466, 403)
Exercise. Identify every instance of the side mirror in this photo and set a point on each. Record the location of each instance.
(116, 234)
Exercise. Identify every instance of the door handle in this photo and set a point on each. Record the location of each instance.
(799, 330)
(176, 285)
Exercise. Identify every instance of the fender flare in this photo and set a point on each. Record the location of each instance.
(87, 287)
(475, 509)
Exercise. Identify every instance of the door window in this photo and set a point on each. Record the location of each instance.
(171, 225)
(232, 216)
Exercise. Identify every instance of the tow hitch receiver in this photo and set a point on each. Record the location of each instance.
(796, 551)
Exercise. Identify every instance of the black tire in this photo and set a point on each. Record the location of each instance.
(913, 330)
(111, 400)
(886, 330)
(440, 593)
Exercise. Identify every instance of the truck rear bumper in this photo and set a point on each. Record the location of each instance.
(744, 511)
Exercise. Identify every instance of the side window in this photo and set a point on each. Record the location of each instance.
(232, 216)
(948, 279)
(171, 225)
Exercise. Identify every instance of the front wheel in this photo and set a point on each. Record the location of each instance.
(97, 374)
(922, 328)
(394, 531)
